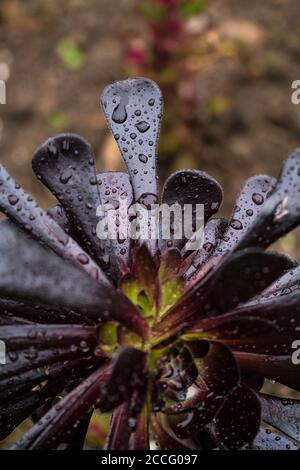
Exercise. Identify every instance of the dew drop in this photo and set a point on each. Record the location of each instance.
(143, 158)
(236, 224)
(65, 176)
(119, 114)
(83, 258)
(142, 126)
(13, 200)
(258, 199)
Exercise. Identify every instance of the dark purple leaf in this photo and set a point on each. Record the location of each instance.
(118, 437)
(281, 211)
(25, 212)
(269, 440)
(242, 277)
(77, 438)
(165, 438)
(286, 284)
(281, 413)
(13, 413)
(278, 368)
(133, 111)
(139, 439)
(23, 360)
(115, 187)
(128, 375)
(52, 428)
(249, 207)
(190, 187)
(18, 337)
(237, 422)
(36, 312)
(146, 271)
(237, 279)
(213, 232)
(65, 164)
(17, 385)
(59, 216)
(29, 271)
(240, 332)
(267, 327)
(218, 374)
(129, 426)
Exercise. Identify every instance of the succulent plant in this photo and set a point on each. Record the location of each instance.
(175, 345)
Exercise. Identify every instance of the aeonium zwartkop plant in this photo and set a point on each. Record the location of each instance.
(175, 345)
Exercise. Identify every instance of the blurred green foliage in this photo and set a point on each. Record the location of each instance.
(70, 53)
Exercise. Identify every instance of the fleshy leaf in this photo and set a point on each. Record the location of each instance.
(22, 210)
(269, 440)
(249, 207)
(118, 437)
(281, 211)
(282, 413)
(128, 375)
(145, 271)
(19, 384)
(37, 312)
(51, 430)
(237, 279)
(278, 368)
(191, 187)
(65, 164)
(115, 187)
(32, 357)
(286, 284)
(19, 337)
(133, 109)
(13, 413)
(139, 440)
(268, 327)
(77, 438)
(218, 374)
(213, 232)
(59, 216)
(166, 439)
(29, 271)
(238, 420)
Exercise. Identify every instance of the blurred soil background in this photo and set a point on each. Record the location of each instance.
(225, 66)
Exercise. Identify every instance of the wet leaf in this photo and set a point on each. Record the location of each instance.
(115, 188)
(248, 208)
(190, 187)
(53, 426)
(65, 164)
(23, 211)
(238, 420)
(128, 374)
(282, 413)
(29, 271)
(269, 440)
(238, 278)
(133, 111)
